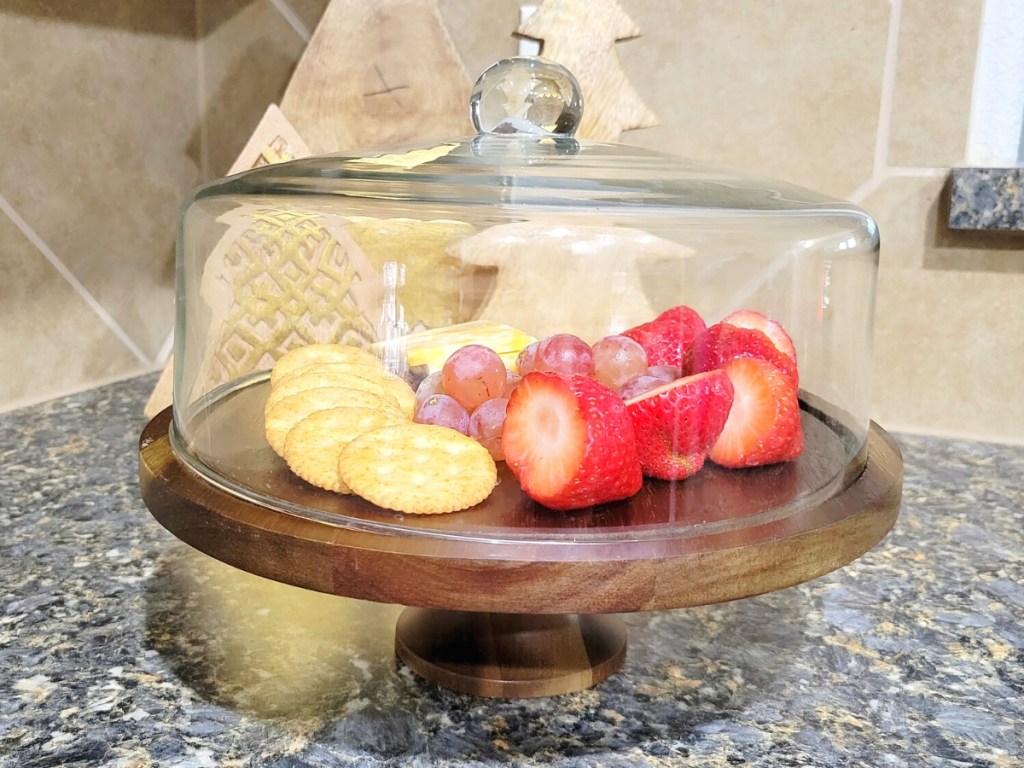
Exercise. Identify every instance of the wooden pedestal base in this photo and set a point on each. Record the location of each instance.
(510, 655)
(721, 535)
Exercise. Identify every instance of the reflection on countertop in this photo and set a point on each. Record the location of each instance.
(120, 646)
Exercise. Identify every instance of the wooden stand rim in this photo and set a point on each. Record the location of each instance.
(318, 556)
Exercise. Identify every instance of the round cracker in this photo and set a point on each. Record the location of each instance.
(330, 378)
(311, 353)
(285, 414)
(399, 389)
(420, 469)
(370, 371)
(313, 446)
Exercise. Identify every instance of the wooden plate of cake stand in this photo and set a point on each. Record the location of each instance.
(510, 599)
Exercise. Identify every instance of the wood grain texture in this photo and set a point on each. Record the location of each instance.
(510, 655)
(378, 73)
(581, 36)
(389, 563)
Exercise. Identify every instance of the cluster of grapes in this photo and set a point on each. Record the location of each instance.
(470, 393)
(618, 362)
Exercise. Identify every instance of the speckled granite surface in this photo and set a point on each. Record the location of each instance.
(987, 198)
(120, 646)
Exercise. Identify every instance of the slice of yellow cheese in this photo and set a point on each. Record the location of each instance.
(430, 349)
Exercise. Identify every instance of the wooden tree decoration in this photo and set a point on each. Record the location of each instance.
(374, 73)
(275, 140)
(385, 72)
(581, 35)
(378, 73)
(533, 291)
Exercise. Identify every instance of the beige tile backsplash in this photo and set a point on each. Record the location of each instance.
(247, 58)
(79, 164)
(934, 73)
(789, 89)
(118, 109)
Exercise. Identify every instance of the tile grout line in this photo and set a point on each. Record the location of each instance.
(888, 88)
(917, 172)
(289, 15)
(166, 349)
(66, 273)
(880, 170)
(204, 137)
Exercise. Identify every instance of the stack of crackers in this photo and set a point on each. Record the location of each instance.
(343, 423)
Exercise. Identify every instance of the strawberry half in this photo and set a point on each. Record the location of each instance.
(569, 441)
(676, 424)
(723, 342)
(764, 423)
(748, 318)
(666, 338)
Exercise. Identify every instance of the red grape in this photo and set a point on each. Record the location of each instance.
(618, 359)
(638, 385)
(566, 355)
(485, 425)
(527, 358)
(430, 386)
(444, 411)
(472, 374)
(666, 373)
(512, 378)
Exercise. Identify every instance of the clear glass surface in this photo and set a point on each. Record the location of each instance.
(544, 233)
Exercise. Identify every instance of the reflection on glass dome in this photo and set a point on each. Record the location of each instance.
(672, 347)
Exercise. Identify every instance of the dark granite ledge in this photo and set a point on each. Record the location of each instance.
(122, 648)
(987, 199)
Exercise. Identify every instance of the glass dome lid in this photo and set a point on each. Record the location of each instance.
(515, 161)
(509, 240)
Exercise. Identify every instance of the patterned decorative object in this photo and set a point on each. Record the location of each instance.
(282, 279)
(275, 140)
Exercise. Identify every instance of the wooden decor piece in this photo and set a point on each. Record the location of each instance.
(163, 393)
(275, 140)
(378, 73)
(422, 249)
(581, 35)
(279, 279)
(526, 262)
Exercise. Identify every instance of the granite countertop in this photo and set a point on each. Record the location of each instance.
(120, 646)
(987, 199)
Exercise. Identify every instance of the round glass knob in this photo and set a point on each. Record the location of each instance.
(528, 95)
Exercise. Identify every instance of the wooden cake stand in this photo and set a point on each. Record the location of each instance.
(509, 597)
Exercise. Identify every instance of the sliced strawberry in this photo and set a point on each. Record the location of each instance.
(683, 316)
(748, 318)
(722, 342)
(569, 441)
(676, 424)
(764, 423)
(666, 338)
